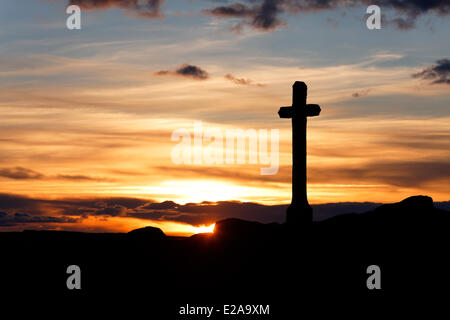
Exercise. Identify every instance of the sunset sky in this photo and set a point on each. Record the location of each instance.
(86, 116)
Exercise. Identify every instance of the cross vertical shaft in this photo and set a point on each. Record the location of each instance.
(299, 211)
(299, 196)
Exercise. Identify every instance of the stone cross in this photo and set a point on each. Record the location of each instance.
(299, 212)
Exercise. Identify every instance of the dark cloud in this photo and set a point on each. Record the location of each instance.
(111, 207)
(210, 212)
(439, 73)
(161, 206)
(233, 10)
(9, 220)
(243, 81)
(261, 15)
(192, 71)
(144, 8)
(185, 70)
(11, 201)
(402, 23)
(414, 8)
(111, 211)
(264, 14)
(266, 17)
(70, 207)
(19, 173)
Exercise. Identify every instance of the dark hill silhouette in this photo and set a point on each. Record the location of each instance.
(243, 261)
(407, 215)
(147, 233)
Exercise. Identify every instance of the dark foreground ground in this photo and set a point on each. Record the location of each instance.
(314, 268)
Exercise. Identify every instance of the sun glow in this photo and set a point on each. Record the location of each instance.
(198, 191)
(204, 229)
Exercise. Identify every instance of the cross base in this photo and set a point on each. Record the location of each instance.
(299, 215)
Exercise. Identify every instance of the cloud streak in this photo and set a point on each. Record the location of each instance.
(20, 173)
(242, 81)
(393, 173)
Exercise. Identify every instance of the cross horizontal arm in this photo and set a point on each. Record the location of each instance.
(285, 112)
(312, 110)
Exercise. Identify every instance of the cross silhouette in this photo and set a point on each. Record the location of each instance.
(299, 211)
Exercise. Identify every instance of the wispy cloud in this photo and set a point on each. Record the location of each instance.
(242, 81)
(439, 72)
